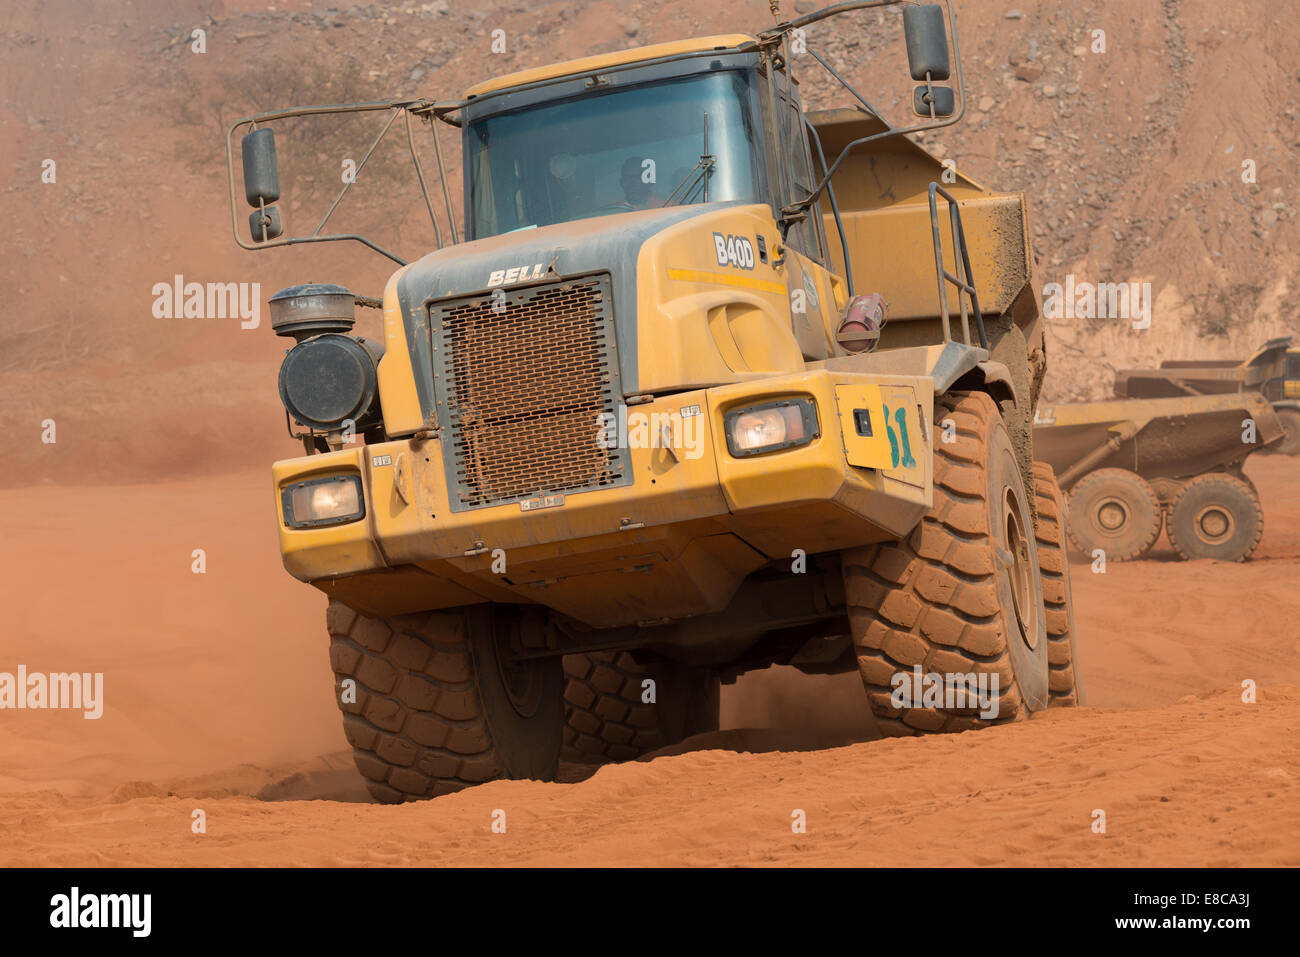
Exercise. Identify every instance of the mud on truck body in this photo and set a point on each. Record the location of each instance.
(639, 434)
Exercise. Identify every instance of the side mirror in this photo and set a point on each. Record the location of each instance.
(261, 172)
(927, 42)
(939, 97)
(927, 58)
(261, 183)
(264, 224)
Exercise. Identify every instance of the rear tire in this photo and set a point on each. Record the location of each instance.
(1216, 516)
(962, 594)
(605, 718)
(1063, 681)
(1114, 510)
(436, 708)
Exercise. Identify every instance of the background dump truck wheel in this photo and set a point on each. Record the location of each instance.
(1058, 602)
(962, 594)
(437, 708)
(1216, 516)
(1114, 510)
(605, 718)
(1289, 444)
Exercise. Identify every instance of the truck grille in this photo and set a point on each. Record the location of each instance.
(523, 380)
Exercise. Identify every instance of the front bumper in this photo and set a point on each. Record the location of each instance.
(675, 543)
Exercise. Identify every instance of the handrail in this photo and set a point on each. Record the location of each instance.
(965, 282)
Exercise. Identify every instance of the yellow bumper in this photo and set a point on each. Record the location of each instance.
(675, 543)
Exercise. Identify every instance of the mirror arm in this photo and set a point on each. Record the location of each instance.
(830, 11)
(420, 107)
(892, 131)
(234, 220)
(419, 174)
(849, 86)
(442, 178)
(348, 185)
(339, 237)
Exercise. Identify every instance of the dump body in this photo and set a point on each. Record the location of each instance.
(882, 193)
(1172, 439)
(1273, 370)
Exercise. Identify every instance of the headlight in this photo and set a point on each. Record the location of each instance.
(328, 380)
(771, 427)
(328, 501)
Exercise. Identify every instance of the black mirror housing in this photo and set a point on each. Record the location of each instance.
(927, 42)
(942, 97)
(261, 170)
(268, 218)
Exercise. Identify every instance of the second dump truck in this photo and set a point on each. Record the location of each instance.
(1133, 466)
(713, 382)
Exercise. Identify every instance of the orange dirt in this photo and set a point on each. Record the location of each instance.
(218, 697)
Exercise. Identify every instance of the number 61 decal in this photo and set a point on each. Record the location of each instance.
(900, 445)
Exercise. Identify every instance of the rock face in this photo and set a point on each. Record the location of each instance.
(1153, 144)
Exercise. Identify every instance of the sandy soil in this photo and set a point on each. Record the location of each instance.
(218, 699)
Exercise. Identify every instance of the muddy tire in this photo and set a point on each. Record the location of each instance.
(962, 594)
(1289, 444)
(1063, 682)
(1216, 516)
(1115, 510)
(606, 720)
(436, 709)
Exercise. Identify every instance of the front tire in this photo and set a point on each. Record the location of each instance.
(1114, 510)
(435, 707)
(962, 594)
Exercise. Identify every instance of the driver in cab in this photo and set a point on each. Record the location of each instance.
(637, 193)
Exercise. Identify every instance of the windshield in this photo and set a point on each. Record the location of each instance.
(636, 148)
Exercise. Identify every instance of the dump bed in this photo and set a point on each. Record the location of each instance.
(1174, 438)
(1204, 377)
(882, 190)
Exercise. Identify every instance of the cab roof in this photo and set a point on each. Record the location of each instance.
(727, 41)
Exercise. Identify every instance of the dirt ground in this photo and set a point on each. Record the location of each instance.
(218, 699)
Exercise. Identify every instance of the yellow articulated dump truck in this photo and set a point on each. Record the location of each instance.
(1132, 466)
(709, 383)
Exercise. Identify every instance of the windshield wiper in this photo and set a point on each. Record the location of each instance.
(703, 168)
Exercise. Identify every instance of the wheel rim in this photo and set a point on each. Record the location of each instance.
(1214, 524)
(1020, 570)
(522, 680)
(1111, 515)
